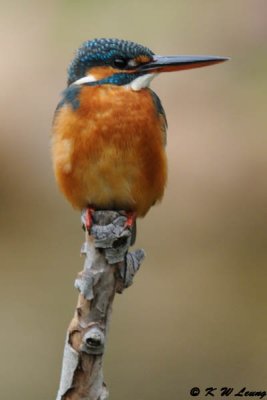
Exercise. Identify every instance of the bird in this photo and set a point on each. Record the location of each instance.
(109, 128)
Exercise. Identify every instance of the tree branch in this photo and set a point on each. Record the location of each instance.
(108, 268)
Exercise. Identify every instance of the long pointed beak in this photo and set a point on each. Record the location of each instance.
(178, 63)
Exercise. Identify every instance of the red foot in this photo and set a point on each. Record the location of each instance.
(89, 218)
(131, 217)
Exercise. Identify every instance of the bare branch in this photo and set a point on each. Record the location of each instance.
(108, 268)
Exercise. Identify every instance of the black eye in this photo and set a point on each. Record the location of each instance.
(120, 63)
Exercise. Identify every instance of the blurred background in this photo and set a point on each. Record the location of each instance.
(196, 314)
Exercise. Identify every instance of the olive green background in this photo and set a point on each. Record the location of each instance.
(196, 314)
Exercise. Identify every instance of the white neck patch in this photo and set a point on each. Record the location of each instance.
(137, 84)
(141, 82)
(85, 79)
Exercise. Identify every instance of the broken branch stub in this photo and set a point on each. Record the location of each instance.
(108, 268)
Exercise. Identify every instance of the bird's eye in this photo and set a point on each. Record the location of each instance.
(120, 63)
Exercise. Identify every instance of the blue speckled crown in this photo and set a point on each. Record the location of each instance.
(102, 52)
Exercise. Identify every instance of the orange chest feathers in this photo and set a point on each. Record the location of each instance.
(108, 152)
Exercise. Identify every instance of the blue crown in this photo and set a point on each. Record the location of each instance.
(99, 52)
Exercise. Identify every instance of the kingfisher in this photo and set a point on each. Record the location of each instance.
(109, 129)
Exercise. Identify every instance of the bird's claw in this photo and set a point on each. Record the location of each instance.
(89, 218)
(131, 218)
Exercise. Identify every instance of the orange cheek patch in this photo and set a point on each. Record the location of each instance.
(103, 72)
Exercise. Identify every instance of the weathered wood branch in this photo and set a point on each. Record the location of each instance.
(108, 269)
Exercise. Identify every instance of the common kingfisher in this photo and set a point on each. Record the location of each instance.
(109, 129)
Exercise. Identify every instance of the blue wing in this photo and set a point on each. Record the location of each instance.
(162, 115)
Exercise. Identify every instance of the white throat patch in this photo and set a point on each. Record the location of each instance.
(141, 82)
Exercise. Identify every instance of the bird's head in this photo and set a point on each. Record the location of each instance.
(121, 62)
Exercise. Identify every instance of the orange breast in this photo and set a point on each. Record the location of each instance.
(109, 152)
